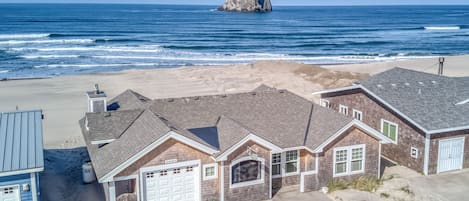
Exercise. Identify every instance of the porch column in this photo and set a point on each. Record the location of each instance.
(112, 191)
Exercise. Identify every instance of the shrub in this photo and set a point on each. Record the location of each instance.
(369, 184)
(337, 184)
(384, 195)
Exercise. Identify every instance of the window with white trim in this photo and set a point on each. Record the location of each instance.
(277, 164)
(325, 103)
(349, 160)
(210, 171)
(291, 161)
(357, 114)
(286, 163)
(247, 171)
(389, 129)
(343, 109)
(414, 152)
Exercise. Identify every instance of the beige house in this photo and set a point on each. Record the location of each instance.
(243, 146)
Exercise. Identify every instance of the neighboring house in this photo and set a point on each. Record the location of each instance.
(241, 146)
(425, 115)
(21, 155)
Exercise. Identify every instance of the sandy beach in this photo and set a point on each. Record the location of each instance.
(63, 99)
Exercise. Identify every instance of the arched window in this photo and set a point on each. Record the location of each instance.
(247, 171)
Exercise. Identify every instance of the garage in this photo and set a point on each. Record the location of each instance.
(180, 183)
(10, 193)
(450, 154)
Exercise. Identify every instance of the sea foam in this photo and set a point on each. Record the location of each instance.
(443, 28)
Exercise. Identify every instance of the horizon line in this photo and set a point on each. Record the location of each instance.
(281, 5)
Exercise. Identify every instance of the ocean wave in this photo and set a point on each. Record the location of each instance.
(20, 36)
(22, 42)
(4, 71)
(137, 49)
(94, 65)
(50, 56)
(443, 28)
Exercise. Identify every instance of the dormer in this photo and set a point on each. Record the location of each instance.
(96, 100)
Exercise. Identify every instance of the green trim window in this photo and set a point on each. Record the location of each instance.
(389, 129)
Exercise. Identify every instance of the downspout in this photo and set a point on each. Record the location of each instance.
(427, 154)
(222, 182)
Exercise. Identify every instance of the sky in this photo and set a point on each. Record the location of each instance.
(274, 2)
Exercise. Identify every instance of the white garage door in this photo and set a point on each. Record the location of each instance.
(173, 184)
(10, 193)
(451, 154)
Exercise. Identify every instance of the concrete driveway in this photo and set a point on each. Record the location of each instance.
(289, 194)
(452, 186)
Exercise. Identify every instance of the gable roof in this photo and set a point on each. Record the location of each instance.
(428, 101)
(21, 146)
(215, 124)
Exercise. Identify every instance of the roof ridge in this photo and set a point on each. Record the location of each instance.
(131, 123)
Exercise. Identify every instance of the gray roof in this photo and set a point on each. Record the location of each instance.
(21, 147)
(217, 121)
(427, 99)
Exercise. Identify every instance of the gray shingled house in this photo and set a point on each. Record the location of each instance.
(243, 146)
(425, 115)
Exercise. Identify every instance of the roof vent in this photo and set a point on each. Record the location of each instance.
(421, 83)
(196, 98)
(407, 84)
(380, 86)
(420, 91)
(171, 100)
(223, 96)
(107, 114)
(253, 93)
(281, 91)
(393, 85)
(434, 82)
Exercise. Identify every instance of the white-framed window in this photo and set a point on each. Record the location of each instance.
(349, 160)
(414, 152)
(325, 103)
(247, 171)
(276, 164)
(291, 162)
(357, 114)
(343, 109)
(210, 171)
(390, 129)
(286, 163)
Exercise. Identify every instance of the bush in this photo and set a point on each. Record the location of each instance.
(369, 184)
(337, 184)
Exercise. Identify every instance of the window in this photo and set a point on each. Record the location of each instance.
(414, 152)
(291, 161)
(357, 114)
(325, 103)
(389, 129)
(246, 171)
(349, 160)
(343, 109)
(276, 164)
(210, 171)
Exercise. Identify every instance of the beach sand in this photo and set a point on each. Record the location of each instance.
(63, 99)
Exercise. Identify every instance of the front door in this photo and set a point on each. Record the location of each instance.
(450, 154)
(10, 193)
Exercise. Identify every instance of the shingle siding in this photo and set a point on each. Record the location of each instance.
(373, 112)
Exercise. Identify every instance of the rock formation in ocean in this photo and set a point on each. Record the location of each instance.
(246, 6)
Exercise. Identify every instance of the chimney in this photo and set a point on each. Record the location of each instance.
(96, 100)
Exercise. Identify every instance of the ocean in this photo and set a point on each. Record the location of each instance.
(43, 40)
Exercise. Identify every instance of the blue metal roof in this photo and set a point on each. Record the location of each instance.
(21, 147)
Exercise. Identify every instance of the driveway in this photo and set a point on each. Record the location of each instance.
(289, 194)
(452, 186)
